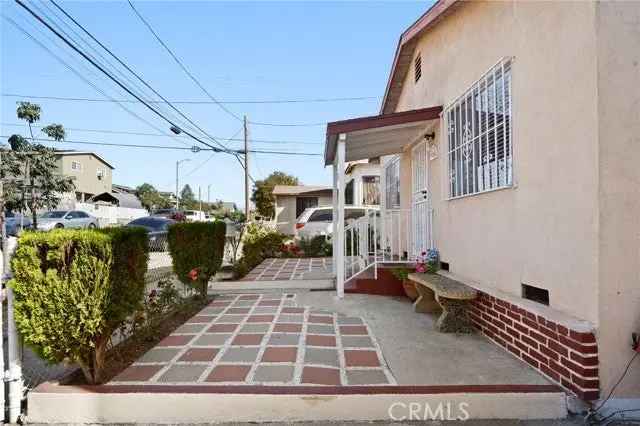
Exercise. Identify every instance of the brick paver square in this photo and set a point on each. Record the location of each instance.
(247, 339)
(265, 310)
(349, 321)
(320, 329)
(183, 373)
(200, 319)
(138, 373)
(240, 355)
(250, 296)
(327, 357)
(366, 377)
(273, 354)
(159, 355)
(190, 328)
(243, 303)
(318, 340)
(357, 342)
(230, 319)
(291, 318)
(354, 330)
(238, 311)
(229, 373)
(211, 340)
(269, 303)
(220, 304)
(279, 339)
(222, 328)
(199, 355)
(255, 328)
(260, 318)
(321, 376)
(273, 374)
(212, 311)
(292, 310)
(222, 297)
(317, 319)
(176, 340)
(355, 358)
(287, 328)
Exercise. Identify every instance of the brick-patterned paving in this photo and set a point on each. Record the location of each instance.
(287, 269)
(264, 339)
(568, 357)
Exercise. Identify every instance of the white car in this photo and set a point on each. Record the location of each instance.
(319, 220)
(194, 216)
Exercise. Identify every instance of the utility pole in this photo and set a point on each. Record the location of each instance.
(199, 198)
(177, 194)
(209, 198)
(247, 208)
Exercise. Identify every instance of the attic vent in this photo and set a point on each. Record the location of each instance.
(417, 68)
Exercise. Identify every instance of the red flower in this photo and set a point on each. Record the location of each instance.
(193, 274)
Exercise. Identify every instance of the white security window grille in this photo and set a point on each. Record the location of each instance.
(392, 183)
(479, 135)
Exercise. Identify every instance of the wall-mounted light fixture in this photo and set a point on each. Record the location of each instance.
(432, 146)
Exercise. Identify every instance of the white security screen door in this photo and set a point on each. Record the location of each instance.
(421, 200)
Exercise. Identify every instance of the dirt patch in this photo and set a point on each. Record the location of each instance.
(126, 352)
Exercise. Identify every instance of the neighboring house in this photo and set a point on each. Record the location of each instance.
(508, 136)
(91, 174)
(291, 200)
(362, 186)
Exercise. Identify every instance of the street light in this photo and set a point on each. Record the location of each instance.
(177, 168)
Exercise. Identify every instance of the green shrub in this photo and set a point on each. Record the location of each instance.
(197, 249)
(74, 288)
(317, 246)
(258, 243)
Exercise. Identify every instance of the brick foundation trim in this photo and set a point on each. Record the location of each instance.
(565, 356)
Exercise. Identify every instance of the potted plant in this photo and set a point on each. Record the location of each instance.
(402, 274)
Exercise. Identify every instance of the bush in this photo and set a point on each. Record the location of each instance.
(318, 246)
(258, 243)
(197, 249)
(74, 288)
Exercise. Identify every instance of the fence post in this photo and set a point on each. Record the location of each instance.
(4, 271)
(14, 373)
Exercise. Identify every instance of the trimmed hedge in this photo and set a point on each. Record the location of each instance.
(197, 249)
(74, 288)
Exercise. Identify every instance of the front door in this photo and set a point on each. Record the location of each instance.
(421, 200)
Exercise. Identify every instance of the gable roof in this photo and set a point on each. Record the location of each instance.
(405, 51)
(64, 152)
(299, 189)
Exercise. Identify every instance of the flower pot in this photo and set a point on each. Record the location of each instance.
(410, 289)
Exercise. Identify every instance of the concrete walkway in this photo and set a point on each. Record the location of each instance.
(264, 339)
(290, 269)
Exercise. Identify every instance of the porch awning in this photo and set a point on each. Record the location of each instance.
(369, 137)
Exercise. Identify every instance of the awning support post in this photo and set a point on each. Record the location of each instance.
(338, 229)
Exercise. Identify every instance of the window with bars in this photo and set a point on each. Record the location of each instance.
(417, 68)
(392, 183)
(479, 135)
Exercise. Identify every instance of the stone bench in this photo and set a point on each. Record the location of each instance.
(439, 293)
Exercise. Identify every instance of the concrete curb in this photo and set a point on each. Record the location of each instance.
(258, 286)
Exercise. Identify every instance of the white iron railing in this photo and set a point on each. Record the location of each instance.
(361, 238)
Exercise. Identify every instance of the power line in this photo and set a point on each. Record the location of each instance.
(199, 102)
(206, 92)
(236, 151)
(127, 132)
(128, 69)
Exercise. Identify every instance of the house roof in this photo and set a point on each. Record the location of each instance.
(121, 199)
(405, 51)
(299, 189)
(67, 152)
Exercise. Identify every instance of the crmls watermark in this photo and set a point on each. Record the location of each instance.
(400, 411)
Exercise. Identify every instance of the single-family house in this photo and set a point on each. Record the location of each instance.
(292, 200)
(508, 139)
(91, 173)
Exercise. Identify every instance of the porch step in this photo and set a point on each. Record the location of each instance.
(220, 287)
(385, 285)
(227, 403)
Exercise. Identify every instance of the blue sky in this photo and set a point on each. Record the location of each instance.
(238, 51)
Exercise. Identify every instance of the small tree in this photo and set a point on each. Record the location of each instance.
(263, 192)
(41, 185)
(187, 198)
(197, 249)
(151, 198)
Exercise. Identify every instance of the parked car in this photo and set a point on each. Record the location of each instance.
(315, 221)
(16, 222)
(194, 216)
(66, 219)
(171, 213)
(157, 229)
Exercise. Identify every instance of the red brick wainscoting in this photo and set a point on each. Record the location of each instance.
(567, 357)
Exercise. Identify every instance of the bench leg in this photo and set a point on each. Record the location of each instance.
(454, 317)
(426, 301)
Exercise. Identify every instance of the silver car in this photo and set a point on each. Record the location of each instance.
(66, 219)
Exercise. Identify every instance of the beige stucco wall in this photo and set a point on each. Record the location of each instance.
(618, 30)
(570, 223)
(86, 180)
(285, 207)
(542, 232)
